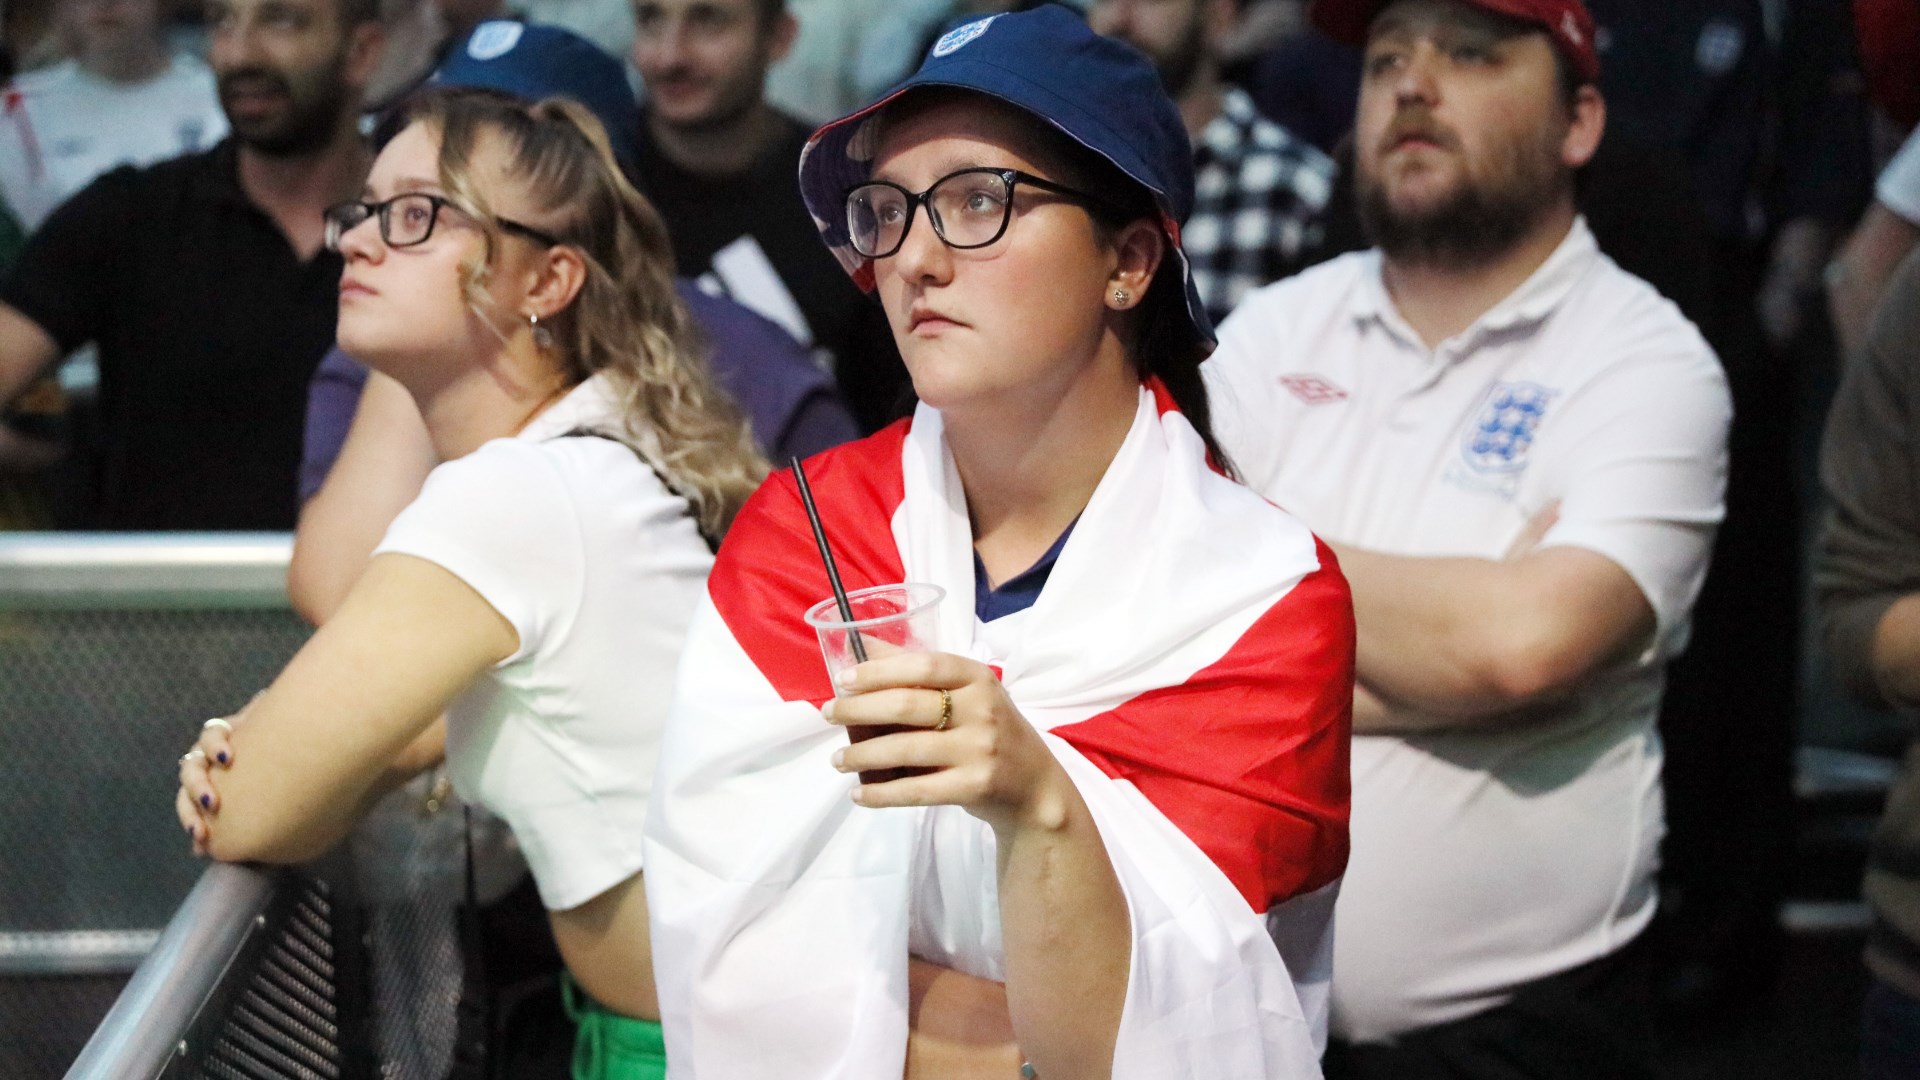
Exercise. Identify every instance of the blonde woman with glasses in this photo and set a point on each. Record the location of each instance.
(538, 590)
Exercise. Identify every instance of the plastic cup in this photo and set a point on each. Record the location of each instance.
(887, 619)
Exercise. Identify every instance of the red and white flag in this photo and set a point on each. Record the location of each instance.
(1191, 663)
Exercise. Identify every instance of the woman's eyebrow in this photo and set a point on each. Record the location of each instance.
(945, 167)
(406, 185)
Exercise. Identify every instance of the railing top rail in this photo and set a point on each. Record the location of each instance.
(146, 1023)
(190, 571)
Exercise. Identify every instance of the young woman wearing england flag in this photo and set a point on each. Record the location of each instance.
(1128, 809)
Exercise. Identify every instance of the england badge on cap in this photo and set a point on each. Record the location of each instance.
(957, 38)
(494, 39)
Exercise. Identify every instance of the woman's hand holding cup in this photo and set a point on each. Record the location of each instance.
(961, 728)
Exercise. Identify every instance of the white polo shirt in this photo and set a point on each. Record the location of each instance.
(598, 567)
(1490, 856)
(63, 126)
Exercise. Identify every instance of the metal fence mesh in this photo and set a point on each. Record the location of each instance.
(409, 864)
(94, 707)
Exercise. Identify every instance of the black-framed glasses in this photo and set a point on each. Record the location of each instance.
(969, 209)
(406, 220)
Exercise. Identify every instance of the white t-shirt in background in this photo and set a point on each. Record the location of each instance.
(62, 126)
(1488, 857)
(598, 566)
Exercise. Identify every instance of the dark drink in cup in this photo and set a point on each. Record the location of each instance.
(886, 619)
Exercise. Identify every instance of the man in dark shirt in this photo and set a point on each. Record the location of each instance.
(203, 281)
(720, 164)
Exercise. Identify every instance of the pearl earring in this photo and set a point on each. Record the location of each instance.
(542, 337)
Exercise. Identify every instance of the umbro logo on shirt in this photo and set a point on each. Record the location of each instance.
(1312, 389)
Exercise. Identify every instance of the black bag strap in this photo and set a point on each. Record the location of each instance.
(713, 542)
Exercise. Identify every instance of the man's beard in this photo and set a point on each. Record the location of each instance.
(1475, 223)
(307, 125)
(732, 107)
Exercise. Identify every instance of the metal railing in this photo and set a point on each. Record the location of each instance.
(260, 974)
(144, 571)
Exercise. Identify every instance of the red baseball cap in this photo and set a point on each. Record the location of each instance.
(1567, 22)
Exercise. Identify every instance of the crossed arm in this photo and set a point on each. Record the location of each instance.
(1454, 642)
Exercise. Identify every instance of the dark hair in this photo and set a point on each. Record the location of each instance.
(1164, 344)
(769, 10)
(1571, 81)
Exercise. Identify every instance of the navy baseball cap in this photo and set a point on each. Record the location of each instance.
(531, 61)
(1099, 92)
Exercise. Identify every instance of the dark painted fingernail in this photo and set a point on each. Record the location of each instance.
(206, 801)
(221, 757)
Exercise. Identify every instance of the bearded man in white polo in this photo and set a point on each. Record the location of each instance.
(1518, 452)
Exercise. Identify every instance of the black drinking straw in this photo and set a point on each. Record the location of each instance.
(826, 556)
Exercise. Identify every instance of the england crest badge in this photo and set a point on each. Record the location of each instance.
(1498, 439)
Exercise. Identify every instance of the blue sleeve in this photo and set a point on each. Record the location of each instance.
(820, 422)
(333, 396)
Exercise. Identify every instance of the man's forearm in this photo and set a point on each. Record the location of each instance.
(1466, 639)
(1896, 652)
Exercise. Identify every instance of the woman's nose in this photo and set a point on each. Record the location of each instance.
(923, 256)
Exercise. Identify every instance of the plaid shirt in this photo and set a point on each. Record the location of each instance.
(1258, 195)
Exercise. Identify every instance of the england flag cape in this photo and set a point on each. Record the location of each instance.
(1190, 663)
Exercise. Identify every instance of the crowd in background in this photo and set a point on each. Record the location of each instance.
(167, 300)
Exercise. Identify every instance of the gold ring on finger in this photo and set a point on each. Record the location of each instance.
(946, 711)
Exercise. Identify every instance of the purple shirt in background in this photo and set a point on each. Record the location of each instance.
(790, 403)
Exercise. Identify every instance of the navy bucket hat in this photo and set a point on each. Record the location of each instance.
(1099, 92)
(532, 62)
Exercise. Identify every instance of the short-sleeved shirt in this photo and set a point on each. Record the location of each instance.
(1486, 857)
(62, 126)
(208, 326)
(579, 545)
(1258, 195)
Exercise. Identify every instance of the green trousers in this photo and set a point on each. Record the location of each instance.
(609, 1046)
